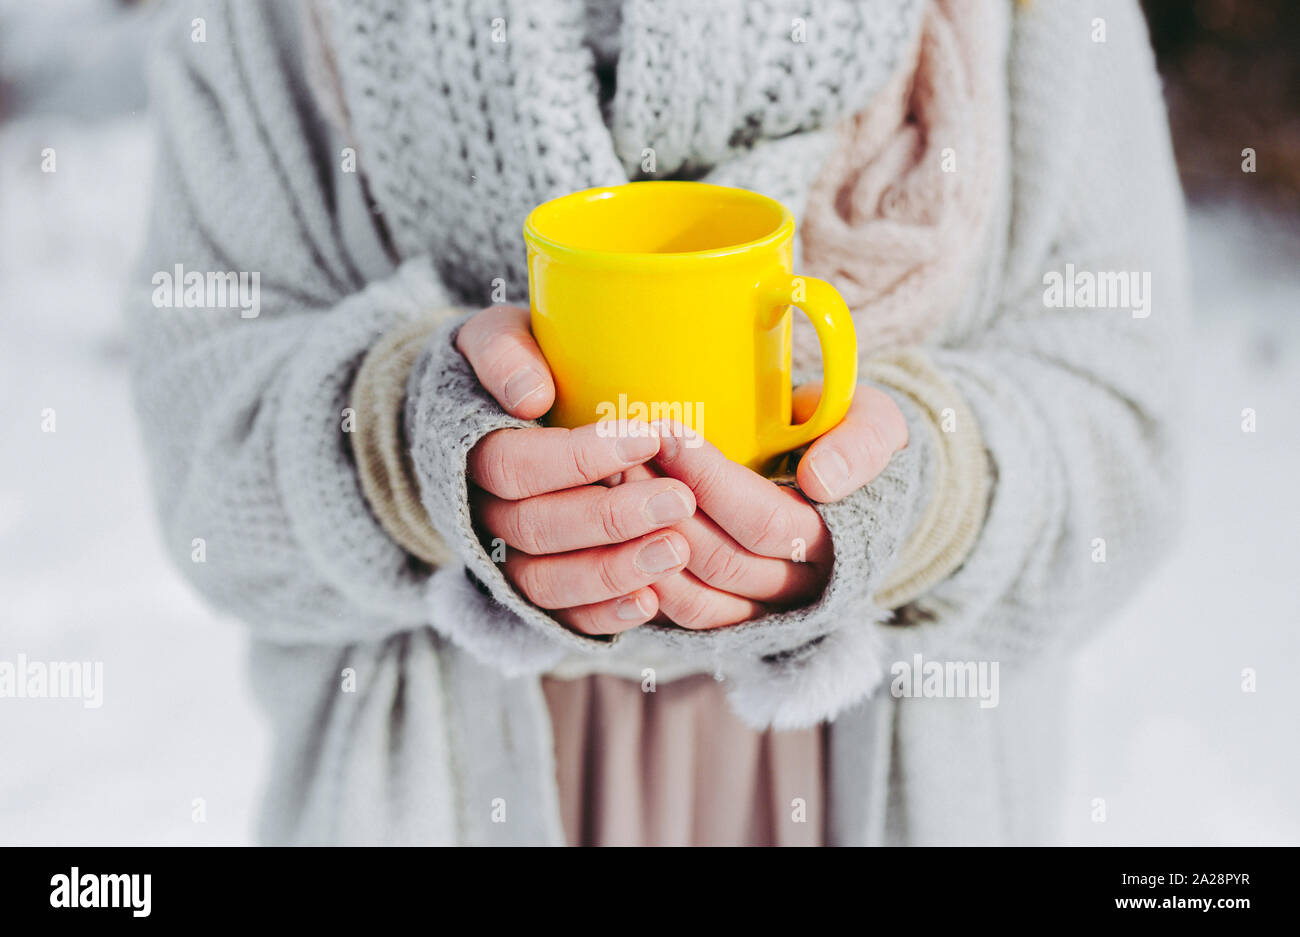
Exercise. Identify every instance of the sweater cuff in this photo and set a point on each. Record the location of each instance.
(379, 440)
(324, 508)
(894, 540)
(959, 475)
(447, 413)
(795, 668)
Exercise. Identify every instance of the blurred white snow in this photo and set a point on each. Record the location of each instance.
(83, 576)
(1161, 731)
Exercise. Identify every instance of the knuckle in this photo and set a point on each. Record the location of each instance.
(534, 581)
(496, 471)
(498, 357)
(469, 336)
(874, 449)
(708, 480)
(600, 619)
(724, 567)
(694, 609)
(610, 580)
(887, 418)
(612, 519)
(581, 458)
(582, 619)
(900, 432)
(479, 339)
(523, 528)
(776, 530)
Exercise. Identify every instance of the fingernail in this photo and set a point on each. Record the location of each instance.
(668, 441)
(636, 448)
(629, 609)
(831, 470)
(657, 556)
(666, 507)
(521, 385)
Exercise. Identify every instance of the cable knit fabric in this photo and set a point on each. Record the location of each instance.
(458, 136)
(517, 116)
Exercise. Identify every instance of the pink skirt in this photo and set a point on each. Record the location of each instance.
(677, 768)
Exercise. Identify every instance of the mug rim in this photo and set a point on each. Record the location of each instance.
(542, 243)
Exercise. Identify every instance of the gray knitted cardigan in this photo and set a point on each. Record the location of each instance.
(405, 702)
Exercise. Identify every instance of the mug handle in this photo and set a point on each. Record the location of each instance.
(834, 324)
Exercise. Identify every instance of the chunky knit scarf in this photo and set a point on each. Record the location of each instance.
(468, 113)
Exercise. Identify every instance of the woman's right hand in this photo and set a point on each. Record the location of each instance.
(585, 551)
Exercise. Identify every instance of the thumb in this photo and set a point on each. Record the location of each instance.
(498, 343)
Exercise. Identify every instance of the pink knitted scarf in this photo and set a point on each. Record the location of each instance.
(897, 217)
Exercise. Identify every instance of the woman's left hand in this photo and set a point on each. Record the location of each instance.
(756, 546)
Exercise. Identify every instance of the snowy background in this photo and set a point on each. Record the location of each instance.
(1160, 726)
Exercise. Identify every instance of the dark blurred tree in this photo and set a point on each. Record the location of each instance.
(1232, 79)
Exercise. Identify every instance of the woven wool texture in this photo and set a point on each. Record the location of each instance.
(716, 86)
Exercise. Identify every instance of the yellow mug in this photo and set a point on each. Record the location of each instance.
(671, 300)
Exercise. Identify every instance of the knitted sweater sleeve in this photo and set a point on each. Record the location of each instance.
(1076, 395)
(244, 407)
